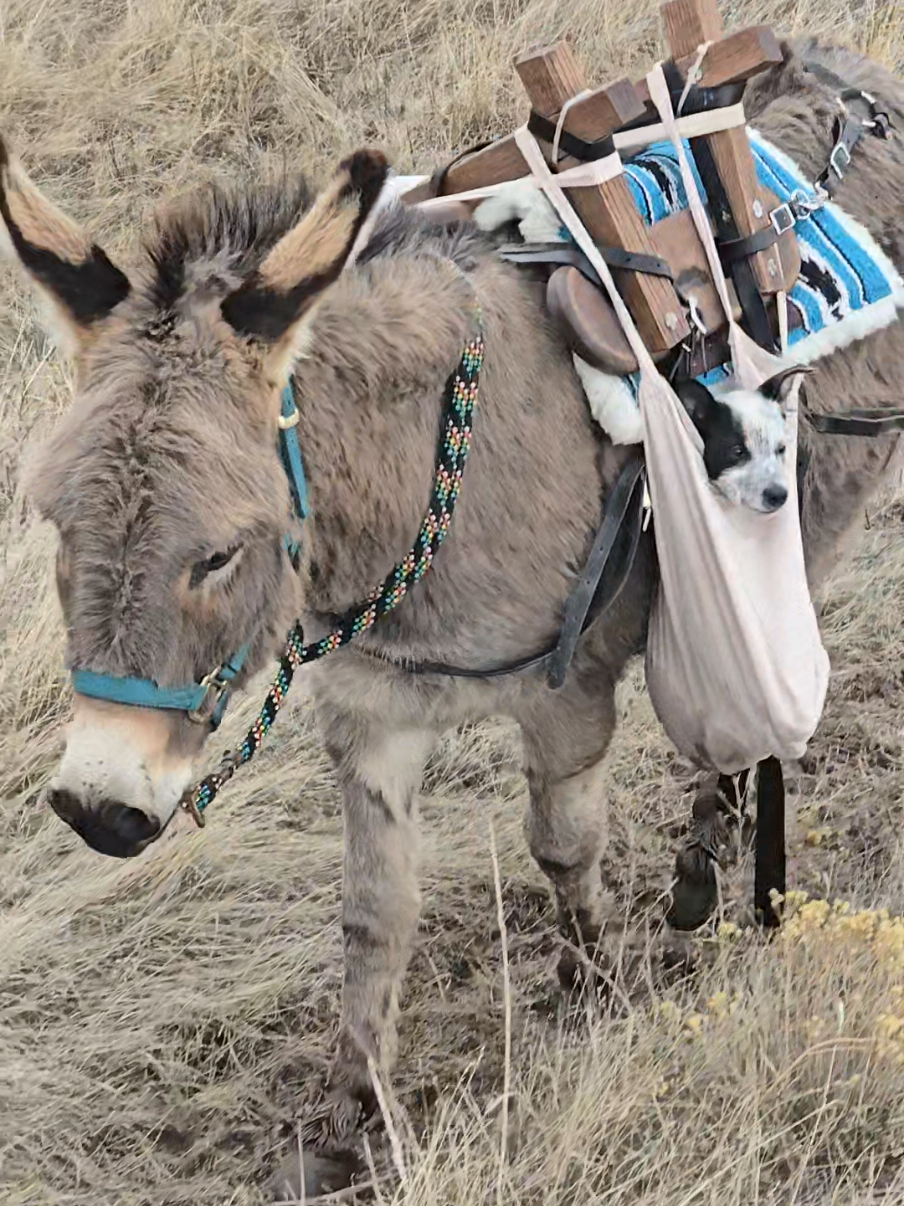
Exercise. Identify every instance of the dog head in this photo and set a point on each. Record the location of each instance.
(744, 439)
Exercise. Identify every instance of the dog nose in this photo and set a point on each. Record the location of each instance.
(110, 828)
(774, 497)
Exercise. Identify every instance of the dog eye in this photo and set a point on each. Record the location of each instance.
(738, 451)
(210, 565)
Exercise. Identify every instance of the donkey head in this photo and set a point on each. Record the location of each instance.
(163, 479)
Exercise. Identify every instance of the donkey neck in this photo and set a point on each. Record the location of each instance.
(370, 395)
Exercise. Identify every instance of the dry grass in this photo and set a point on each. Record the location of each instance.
(162, 1023)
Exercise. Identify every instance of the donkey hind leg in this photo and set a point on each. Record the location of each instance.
(568, 828)
(380, 771)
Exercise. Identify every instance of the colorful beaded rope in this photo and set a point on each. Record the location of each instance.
(460, 400)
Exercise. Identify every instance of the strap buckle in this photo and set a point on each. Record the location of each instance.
(286, 422)
(839, 159)
(782, 218)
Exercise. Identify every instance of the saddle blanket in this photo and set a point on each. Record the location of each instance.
(847, 286)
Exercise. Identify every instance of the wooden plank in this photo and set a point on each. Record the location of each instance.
(737, 58)
(689, 23)
(604, 109)
(551, 76)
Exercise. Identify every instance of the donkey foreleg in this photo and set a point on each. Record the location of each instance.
(380, 772)
(565, 741)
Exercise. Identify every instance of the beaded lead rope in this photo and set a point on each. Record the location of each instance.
(460, 400)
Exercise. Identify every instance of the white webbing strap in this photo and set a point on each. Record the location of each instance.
(695, 125)
(583, 175)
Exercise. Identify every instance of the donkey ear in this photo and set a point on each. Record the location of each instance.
(81, 282)
(273, 303)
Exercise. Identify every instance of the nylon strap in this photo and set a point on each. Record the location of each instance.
(577, 148)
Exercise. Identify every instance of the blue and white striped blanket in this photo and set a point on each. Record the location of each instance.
(847, 286)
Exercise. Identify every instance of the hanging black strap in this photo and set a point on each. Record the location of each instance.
(565, 253)
(577, 607)
(770, 866)
(755, 318)
(577, 148)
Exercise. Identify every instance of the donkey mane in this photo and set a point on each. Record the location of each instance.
(226, 229)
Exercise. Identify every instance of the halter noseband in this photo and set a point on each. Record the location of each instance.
(205, 701)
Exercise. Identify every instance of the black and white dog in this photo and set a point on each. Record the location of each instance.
(744, 444)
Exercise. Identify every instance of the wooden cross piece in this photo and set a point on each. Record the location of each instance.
(688, 25)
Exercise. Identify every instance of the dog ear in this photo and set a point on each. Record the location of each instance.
(699, 404)
(63, 264)
(785, 384)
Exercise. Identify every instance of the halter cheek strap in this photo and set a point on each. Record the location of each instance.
(205, 701)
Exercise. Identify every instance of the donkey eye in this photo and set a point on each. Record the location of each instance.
(780, 451)
(210, 565)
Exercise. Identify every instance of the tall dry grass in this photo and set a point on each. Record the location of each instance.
(163, 1022)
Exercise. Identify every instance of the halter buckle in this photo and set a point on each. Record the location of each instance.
(187, 804)
(215, 687)
(287, 421)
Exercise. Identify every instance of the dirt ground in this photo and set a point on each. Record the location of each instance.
(165, 1022)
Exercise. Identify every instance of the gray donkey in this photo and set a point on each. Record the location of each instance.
(164, 485)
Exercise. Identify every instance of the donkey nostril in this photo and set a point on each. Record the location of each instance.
(130, 824)
(774, 497)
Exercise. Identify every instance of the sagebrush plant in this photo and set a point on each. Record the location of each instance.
(164, 1022)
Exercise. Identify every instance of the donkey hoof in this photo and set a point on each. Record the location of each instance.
(695, 893)
(580, 975)
(311, 1174)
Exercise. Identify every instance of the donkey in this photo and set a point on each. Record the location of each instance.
(163, 483)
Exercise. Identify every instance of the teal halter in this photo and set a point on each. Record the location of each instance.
(205, 701)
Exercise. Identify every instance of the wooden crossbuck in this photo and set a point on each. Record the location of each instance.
(703, 58)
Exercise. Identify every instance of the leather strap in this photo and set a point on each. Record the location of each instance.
(849, 129)
(731, 250)
(438, 179)
(629, 486)
(577, 148)
(566, 253)
(857, 422)
(770, 861)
